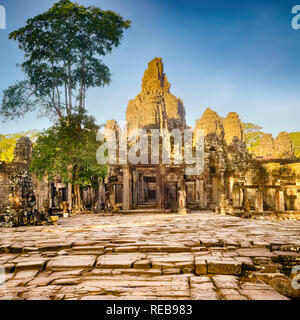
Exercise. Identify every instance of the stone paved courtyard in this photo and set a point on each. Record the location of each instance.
(164, 256)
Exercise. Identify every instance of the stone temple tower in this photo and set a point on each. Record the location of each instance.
(23, 151)
(155, 107)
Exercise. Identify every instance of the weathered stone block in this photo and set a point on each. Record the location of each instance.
(200, 266)
(142, 264)
(71, 262)
(225, 282)
(224, 267)
(29, 265)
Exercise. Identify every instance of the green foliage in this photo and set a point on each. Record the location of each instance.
(63, 51)
(295, 137)
(71, 141)
(8, 143)
(253, 135)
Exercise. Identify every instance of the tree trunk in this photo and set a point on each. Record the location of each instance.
(82, 93)
(70, 86)
(66, 94)
(70, 186)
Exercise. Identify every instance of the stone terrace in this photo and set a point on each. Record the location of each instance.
(163, 256)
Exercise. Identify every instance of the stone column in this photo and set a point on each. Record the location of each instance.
(158, 188)
(126, 186)
(259, 201)
(243, 196)
(231, 183)
(112, 196)
(297, 201)
(135, 189)
(163, 179)
(202, 196)
(280, 201)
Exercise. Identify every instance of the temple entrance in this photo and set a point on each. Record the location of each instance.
(172, 195)
(146, 188)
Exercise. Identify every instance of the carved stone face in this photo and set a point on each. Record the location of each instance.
(23, 150)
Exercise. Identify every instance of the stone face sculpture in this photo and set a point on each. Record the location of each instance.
(155, 106)
(211, 123)
(233, 128)
(280, 148)
(266, 147)
(23, 151)
(283, 146)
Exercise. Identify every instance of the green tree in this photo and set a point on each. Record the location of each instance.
(63, 51)
(8, 143)
(295, 137)
(68, 149)
(253, 135)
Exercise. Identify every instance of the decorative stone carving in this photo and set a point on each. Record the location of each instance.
(233, 128)
(283, 146)
(266, 146)
(280, 148)
(23, 151)
(210, 122)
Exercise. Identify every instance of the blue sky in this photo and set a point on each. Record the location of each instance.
(240, 56)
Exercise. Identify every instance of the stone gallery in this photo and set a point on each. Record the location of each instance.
(231, 232)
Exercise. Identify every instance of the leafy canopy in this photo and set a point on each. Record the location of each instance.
(253, 135)
(72, 140)
(295, 137)
(63, 50)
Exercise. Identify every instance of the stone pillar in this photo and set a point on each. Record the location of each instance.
(126, 187)
(243, 196)
(231, 183)
(202, 195)
(112, 196)
(214, 199)
(297, 202)
(259, 201)
(158, 188)
(280, 201)
(135, 189)
(163, 184)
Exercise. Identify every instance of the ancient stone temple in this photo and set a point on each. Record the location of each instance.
(16, 179)
(232, 178)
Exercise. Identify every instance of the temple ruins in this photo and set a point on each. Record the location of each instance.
(233, 180)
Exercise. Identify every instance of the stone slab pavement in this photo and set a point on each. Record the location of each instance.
(200, 256)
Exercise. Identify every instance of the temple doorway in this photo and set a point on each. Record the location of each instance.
(147, 188)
